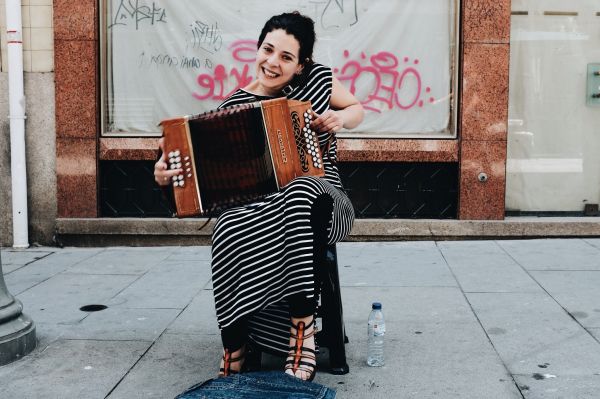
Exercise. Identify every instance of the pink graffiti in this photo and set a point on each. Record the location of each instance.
(388, 81)
(214, 85)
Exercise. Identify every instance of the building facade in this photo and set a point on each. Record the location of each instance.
(496, 152)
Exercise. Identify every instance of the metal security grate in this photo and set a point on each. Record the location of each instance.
(402, 189)
(127, 189)
(376, 189)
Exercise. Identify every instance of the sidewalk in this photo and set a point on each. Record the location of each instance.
(465, 319)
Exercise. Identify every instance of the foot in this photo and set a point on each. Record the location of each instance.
(301, 361)
(232, 362)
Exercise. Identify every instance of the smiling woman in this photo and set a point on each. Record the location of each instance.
(264, 254)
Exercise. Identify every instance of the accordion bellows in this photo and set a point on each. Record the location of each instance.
(240, 154)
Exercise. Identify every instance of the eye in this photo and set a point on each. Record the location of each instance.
(287, 58)
(267, 49)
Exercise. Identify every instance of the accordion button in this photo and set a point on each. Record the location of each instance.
(173, 166)
(306, 114)
(188, 169)
(178, 159)
(176, 153)
(179, 165)
(180, 177)
(171, 154)
(189, 175)
(187, 164)
(186, 158)
(176, 184)
(181, 184)
(174, 178)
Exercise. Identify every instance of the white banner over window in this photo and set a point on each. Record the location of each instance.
(168, 58)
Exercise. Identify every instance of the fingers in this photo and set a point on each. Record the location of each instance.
(162, 174)
(327, 122)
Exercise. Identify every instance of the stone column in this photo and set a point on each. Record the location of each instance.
(17, 331)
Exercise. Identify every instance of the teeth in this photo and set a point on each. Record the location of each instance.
(270, 74)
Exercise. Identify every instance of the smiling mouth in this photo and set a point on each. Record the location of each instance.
(270, 74)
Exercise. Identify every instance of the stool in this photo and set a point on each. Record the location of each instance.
(332, 334)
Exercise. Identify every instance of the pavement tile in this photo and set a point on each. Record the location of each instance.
(12, 259)
(198, 318)
(447, 361)
(114, 324)
(173, 364)
(60, 297)
(168, 285)
(71, 369)
(123, 260)
(559, 387)
(482, 266)
(577, 291)
(553, 254)
(193, 253)
(532, 329)
(593, 241)
(392, 264)
(402, 304)
(43, 269)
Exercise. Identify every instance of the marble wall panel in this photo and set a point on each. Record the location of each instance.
(482, 200)
(486, 21)
(75, 20)
(76, 171)
(484, 99)
(76, 91)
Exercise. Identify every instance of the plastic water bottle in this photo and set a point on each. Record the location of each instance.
(376, 333)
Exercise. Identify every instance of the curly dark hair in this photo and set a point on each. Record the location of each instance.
(297, 25)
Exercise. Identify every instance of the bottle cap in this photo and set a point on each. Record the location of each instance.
(376, 306)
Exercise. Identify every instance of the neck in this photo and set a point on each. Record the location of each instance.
(256, 88)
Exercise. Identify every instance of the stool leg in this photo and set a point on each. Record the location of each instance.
(333, 322)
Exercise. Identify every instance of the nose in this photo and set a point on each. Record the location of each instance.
(272, 59)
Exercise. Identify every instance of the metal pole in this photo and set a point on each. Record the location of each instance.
(16, 99)
(17, 330)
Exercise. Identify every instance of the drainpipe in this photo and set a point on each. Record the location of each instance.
(16, 99)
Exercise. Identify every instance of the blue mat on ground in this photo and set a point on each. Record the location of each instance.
(263, 384)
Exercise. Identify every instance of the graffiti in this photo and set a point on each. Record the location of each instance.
(128, 11)
(334, 14)
(380, 81)
(169, 61)
(206, 37)
(391, 85)
(214, 85)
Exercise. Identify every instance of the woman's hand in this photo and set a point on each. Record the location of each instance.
(162, 173)
(328, 121)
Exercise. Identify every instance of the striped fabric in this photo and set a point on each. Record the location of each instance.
(263, 252)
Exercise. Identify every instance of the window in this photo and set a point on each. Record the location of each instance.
(164, 58)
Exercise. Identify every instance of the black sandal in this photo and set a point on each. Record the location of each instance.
(228, 360)
(300, 354)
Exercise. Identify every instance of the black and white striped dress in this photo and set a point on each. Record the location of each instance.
(263, 252)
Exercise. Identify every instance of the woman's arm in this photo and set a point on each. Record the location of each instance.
(347, 112)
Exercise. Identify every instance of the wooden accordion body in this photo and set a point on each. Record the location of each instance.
(239, 154)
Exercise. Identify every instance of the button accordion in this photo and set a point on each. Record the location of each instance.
(239, 154)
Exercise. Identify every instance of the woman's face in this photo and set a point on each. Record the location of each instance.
(277, 61)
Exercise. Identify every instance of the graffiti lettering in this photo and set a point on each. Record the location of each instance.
(391, 85)
(129, 10)
(334, 14)
(221, 84)
(168, 60)
(206, 37)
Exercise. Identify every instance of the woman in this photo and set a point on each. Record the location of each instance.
(263, 254)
